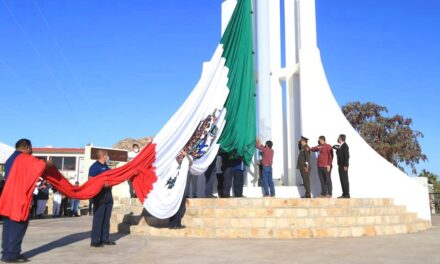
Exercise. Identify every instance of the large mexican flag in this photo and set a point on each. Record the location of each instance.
(218, 114)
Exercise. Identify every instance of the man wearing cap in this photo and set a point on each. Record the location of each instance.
(303, 165)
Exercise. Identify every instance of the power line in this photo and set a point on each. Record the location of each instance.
(21, 83)
(58, 84)
(66, 61)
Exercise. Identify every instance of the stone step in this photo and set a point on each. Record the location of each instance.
(281, 222)
(274, 202)
(340, 221)
(274, 218)
(281, 233)
(277, 212)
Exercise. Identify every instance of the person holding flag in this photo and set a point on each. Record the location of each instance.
(22, 172)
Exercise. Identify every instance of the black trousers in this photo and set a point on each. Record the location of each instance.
(220, 184)
(130, 186)
(233, 178)
(306, 181)
(209, 176)
(12, 238)
(102, 213)
(326, 181)
(343, 176)
(176, 219)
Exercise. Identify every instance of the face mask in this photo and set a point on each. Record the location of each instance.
(136, 150)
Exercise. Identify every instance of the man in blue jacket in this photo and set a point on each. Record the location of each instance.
(102, 205)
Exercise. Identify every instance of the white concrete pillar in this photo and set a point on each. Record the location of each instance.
(228, 7)
(307, 23)
(263, 70)
(275, 88)
(293, 121)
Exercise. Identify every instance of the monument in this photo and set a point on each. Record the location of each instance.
(295, 99)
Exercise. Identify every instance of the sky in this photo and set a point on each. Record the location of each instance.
(79, 72)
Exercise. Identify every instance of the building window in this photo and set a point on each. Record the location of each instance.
(69, 164)
(57, 162)
(64, 163)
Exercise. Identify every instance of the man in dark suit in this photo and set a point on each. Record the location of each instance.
(303, 165)
(343, 155)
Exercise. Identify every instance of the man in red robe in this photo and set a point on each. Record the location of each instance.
(22, 172)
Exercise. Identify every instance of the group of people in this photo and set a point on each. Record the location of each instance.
(62, 205)
(324, 165)
(230, 171)
(14, 231)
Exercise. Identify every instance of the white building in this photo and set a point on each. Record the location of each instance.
(74, 163)
(69, 161)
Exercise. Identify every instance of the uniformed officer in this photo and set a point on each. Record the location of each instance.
(303, 165)
(102, 205)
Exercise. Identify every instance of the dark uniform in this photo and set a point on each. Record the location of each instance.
(343, 155)
(233, 177)
(302, 164)
(102, 208)
(13, 231)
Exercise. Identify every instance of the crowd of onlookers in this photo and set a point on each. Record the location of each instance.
(45, 195)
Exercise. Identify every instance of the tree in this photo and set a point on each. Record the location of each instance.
(432, 179)
(391, 136)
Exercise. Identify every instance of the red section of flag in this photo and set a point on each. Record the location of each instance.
(17, 194)
(140, 170)
(15, 202)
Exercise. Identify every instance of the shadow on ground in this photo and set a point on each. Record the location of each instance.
(65, 241)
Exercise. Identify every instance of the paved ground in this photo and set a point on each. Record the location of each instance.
(67, 241)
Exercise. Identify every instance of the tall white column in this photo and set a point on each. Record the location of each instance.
(263, 70)
(275, 88)
(307, 23)
(228, 7)
(293, 121)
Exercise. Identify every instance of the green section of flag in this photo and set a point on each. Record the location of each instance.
(238, 137)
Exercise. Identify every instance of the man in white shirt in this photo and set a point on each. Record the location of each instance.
(131, 155)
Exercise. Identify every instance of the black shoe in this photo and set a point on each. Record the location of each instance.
(98, 245)
(344, 197)
(177, 227)
(109, 243)
(17, 260)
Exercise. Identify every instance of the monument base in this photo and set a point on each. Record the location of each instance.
(274, 218)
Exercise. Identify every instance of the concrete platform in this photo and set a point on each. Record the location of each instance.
(274, 218)
(67, 241)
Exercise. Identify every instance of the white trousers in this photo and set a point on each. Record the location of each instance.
(41, 206)
(56, 204)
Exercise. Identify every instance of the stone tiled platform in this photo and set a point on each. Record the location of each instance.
(274, 218)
